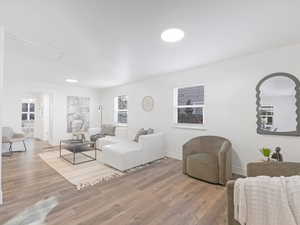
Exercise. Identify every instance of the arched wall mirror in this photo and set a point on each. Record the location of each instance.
(278, 105)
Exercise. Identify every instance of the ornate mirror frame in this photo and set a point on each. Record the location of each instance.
(297, 96)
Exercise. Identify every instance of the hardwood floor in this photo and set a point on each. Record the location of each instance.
(156, 195)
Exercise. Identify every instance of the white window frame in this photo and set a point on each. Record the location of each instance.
(270, 109)
(176, 107)
(28, 111)
(117, 110)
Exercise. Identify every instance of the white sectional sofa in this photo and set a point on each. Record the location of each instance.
(122, 153)
(121, 135)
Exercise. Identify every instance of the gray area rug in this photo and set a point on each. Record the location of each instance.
(35, 215)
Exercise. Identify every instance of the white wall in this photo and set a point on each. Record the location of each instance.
(1, 104)
(46, 117)
(230, 104)
(39, 118)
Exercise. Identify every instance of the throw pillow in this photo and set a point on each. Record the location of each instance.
(140, 133)
(108, 129)
(150, 131)
(95, 137)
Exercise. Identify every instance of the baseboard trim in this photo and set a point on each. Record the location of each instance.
(174, 155)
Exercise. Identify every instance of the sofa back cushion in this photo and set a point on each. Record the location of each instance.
(108, 129)
(273, 169)
(139, 133)
(150, 131)
(122, 132)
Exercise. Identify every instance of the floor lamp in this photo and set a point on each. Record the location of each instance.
(100, 111)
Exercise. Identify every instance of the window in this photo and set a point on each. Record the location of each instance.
(28, 111)
(189, 105)
(121, 110)
(266, 113)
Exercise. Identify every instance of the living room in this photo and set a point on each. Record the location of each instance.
(130, 101)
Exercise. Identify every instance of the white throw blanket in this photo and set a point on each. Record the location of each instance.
(267, 200)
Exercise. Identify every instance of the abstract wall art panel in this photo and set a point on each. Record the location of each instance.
(78, 114)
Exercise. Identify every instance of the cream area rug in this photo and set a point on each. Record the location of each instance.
(81, 175)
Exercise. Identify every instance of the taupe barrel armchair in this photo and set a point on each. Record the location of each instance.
(208, 158)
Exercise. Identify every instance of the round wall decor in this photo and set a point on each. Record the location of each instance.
(148, 103)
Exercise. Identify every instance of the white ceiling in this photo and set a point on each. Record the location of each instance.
(104, 43)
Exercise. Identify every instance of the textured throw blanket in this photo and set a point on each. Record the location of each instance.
(267, 200)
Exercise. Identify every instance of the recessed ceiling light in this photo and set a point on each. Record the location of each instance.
(172, 35)
(71, 81)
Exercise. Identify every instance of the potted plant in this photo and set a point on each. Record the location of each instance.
(266, 153)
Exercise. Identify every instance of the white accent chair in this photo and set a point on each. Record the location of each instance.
(123, 154)
(9, 137)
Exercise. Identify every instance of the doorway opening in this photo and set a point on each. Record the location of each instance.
(28, 117)
(36, 116)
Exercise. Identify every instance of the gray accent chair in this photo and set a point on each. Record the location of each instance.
(208, 158)
(9, 137)
(273, 169)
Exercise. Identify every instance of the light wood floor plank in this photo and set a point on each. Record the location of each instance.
(155, 195)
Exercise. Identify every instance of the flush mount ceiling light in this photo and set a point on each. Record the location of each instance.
(71, 81)
(172, 35)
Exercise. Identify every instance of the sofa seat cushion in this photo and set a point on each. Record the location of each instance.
(113, 139)
(95, 137)
(108, 140)
(203, 166)
(123, 155)
(123, 147)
